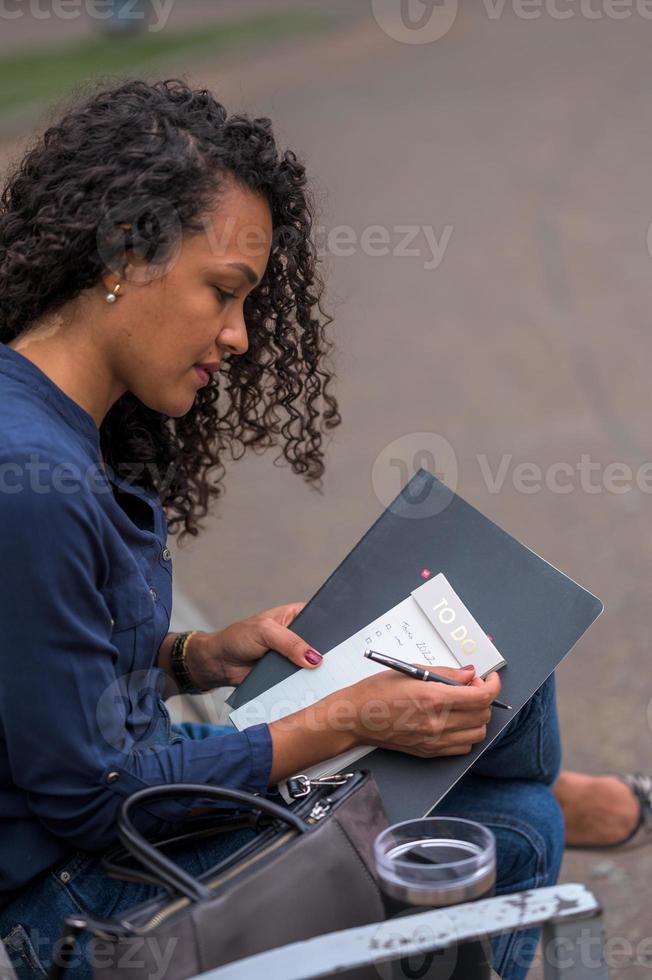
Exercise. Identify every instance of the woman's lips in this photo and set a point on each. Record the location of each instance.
(203, 375)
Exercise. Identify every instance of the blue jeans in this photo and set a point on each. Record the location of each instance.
(507, 790)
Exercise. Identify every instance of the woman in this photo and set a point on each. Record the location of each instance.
(160, 305)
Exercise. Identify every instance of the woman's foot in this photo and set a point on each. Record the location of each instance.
(599, 811)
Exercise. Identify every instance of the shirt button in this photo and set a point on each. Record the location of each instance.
(112, 776)
(167, 554)
(64, 877)
(152, 592)
(112, 621)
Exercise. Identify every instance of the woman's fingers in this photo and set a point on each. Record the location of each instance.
(283, 614)
(456, 750)
(289, 644)
(468, 735)
(447, 741)
(461, 675)
(480, 693)
(470, 691)
(459, 721)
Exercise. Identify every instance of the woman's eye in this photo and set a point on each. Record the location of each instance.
(223, 294)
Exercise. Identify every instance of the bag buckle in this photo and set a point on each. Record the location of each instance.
(300, 786)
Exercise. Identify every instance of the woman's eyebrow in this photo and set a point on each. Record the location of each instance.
(248, 271)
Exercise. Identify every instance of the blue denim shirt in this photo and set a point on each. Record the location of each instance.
(85, 604)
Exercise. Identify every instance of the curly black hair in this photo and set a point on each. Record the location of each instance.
(130, 169)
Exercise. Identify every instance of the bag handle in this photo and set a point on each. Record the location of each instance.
(169, 873)
(113, 861)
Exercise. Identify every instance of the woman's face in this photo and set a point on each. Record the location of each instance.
(161, 329)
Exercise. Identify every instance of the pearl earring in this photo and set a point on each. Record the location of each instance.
(112, 297)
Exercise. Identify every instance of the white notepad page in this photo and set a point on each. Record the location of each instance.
(425, 628)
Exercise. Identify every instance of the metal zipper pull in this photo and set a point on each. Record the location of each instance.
(300, 786)
(320, 809)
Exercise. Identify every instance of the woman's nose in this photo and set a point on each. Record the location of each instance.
(233, 337)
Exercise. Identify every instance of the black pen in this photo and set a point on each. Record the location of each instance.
(419, 673)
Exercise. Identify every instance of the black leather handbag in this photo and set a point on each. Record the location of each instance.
(308, 871)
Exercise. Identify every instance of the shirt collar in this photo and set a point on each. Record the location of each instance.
(16, 365)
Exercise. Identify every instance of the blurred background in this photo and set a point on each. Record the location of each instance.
(483, 175)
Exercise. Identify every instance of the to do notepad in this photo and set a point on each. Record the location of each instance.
(431, 627)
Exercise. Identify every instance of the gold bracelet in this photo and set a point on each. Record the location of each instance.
(179, 664)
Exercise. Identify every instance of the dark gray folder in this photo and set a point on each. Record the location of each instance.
(534, 613)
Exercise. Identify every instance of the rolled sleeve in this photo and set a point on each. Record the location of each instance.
(242, 760)
(260, 743)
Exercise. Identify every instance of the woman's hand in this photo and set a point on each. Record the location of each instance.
(224, 658)
(389, 710)
(423, 718)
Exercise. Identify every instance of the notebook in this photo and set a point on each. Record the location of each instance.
(529, 612)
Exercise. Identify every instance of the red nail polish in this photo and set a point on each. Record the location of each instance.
(468, 667)
(313, 657)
